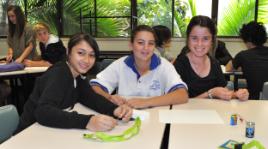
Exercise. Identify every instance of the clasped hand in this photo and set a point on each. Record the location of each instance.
(103, 122)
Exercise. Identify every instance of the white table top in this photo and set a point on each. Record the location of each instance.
(41, 137)
(211, 136)
(35, 69)
(26, 70)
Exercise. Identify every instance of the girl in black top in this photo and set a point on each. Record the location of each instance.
(63, 85)
(200, 72)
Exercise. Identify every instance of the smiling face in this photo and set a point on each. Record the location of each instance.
(12, 16)
(200, 41)
(81, 58)
(143, 46)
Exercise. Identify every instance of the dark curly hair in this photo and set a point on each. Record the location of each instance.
(254, 32)
(163, 34)
(19, 26)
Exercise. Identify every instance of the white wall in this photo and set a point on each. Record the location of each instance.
(234, 45)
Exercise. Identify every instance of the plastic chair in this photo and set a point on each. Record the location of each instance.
(264, 94)
(9, 120)
(105, 63)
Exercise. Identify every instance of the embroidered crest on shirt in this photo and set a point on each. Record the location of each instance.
(155, 85)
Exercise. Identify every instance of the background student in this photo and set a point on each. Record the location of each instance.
(254, 61)
(163, 42)
(51, 47)
(142, 73)
(21, 45)
(20, 38)
(63, 85)
(201, 72)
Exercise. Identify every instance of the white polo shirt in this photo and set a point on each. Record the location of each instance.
(124, 77)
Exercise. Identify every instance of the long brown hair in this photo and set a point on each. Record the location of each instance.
(20, 21)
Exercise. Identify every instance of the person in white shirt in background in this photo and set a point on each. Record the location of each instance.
(163, 42)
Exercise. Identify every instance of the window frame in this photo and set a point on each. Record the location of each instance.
(133, 17)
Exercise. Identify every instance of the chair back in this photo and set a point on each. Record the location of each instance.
(105, 63)
(9, 120)
(264, 94)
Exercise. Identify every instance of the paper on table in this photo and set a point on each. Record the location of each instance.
(140, 113)
(190, 117)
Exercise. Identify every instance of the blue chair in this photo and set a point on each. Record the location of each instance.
(9, 120)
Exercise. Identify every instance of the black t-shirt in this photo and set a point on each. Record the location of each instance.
(54, 52)
(196, 84)
(254, 64)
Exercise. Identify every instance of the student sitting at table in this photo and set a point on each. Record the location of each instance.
(20, 38)
(163, 42)
(63, 85)
(51, 47)
(142, 74)
(254, 61)
(201, 72)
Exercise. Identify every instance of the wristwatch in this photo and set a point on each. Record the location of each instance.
(210, 96)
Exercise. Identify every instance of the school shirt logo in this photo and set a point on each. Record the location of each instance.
(155, 85)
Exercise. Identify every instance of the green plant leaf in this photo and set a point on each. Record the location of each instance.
(238, 13)
(263, 11)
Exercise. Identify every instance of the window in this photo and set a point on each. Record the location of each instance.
(71, 10)
(43, 11)
(184, 10)
(232, 14)
(154, 12)
(98, 17)
(116, 18)
(263, 12)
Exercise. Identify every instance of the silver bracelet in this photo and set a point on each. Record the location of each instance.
(210, 96)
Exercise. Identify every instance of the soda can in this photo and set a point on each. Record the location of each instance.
(250, 129)
(233, 120)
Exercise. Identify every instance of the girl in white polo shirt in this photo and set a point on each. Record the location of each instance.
(141, 74)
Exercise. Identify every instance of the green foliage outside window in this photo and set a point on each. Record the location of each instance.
(46, 11)
(156, 12)
(106, 27)
(150, 12)
(113, 27)
(237, 13)
(182, 8)
(262, 12)
(41, 11)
